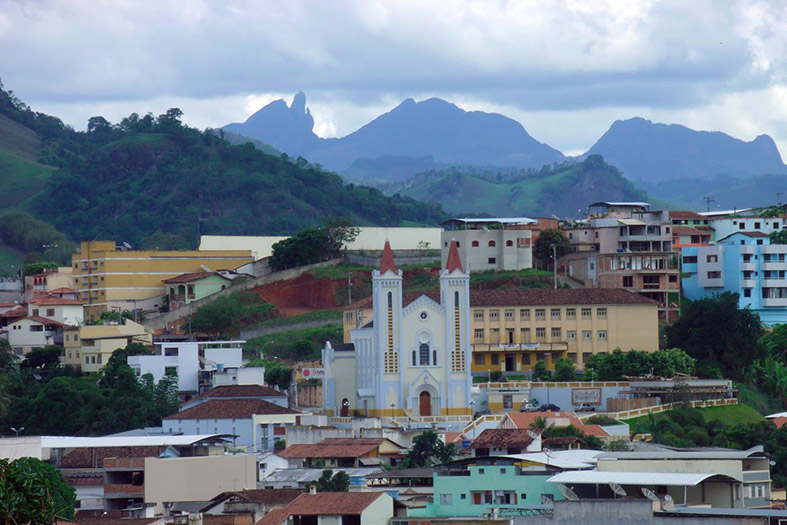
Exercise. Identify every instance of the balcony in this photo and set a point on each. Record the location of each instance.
(773, 265)
(749, 266)
(124, 490)
(774, 302)
(748, 283)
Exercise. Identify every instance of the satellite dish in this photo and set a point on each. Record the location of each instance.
(205, 268)
(667, 498)
(772, 463)
(127, 245)
(649, 494)
(617, 489)
(567, 492)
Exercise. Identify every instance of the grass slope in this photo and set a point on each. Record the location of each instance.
(21, 176)
(729, 415)
(10, 261)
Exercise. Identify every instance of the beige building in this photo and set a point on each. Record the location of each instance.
(490, 244)
(59, 280)
(108, 278)
(197, 478)
(90, 347)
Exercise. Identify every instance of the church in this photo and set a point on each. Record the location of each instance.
(413, 358)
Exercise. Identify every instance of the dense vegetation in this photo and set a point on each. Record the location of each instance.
(223, 317)
(32, 491)
(39, 240)
(151, 176)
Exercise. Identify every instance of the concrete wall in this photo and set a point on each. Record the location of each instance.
(22, 447)
(402, 257)
(171, 318)
(173, 479)
(260, 332)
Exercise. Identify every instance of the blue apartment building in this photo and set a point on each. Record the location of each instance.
(745, 263)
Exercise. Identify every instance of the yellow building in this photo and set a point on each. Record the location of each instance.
(108, 278)
(90, 347)
(512, 329)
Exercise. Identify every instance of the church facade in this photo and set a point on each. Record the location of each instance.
(414, 357)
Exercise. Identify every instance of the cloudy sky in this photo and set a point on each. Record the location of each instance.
(564, 69)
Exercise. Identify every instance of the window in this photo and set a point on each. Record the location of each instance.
(478, 314)
(523, 496)
(525, 359)
(508, 402)
(434, 357)
(446, 499)
(571, 313)
(587, 335)
(479, 333)
(480, 359)
(601, 313)
(480, 471)
(390, 300)
(50, 312)
(524, 315)
(503, 470)
(586, 313)
(628, 281)
(690, 259)
(495, 359)
(492, 244)
(36, 328)
(541, 313)
(556, 333)
(541, 333)
(756, 225)
(491, 260)
(712, 258)
(510, 243)
(602, 335)
(510, 315)
(555, 313)
(742, 226)
(494, 315)
(423, 354)
(494, 335)
(474, 244)
(87, 359)
(35, 312)
(586, 356)
(714, 275)
(747, 292)
(463, 496)
(571, 335)
(170, 370)
(573, 357)
(415, 363)
(348, 317)
(100, 358)
(524, 335)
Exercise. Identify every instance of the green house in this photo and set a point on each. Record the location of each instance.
(190, 287)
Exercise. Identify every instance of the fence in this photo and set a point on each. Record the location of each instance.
(637, 412)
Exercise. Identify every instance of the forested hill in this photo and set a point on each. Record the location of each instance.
(149, 174)
(564, 189)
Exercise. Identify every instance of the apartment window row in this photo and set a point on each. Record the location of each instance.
(493, 244)
(556, 333)
(540, 314)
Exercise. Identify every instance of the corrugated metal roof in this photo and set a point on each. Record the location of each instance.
(673, 479)
(567, 459)
(498, 220)
(302, 475)
(127, 441)
(710, 453)
(632, 222)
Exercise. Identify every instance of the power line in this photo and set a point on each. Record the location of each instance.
(708, 200)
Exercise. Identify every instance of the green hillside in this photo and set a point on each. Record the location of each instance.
(21, 175)
(562, 190)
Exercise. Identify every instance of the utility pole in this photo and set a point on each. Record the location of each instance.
(554, 266)
(779, 198)
(708, 200)
(349, 288)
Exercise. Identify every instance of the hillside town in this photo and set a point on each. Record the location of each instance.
(489, 370)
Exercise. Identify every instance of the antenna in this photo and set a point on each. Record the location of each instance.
(779, 198)
(617, 489)
(567, 492)
(708, 200)
(649, 494)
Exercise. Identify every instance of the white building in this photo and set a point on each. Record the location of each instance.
(490, 244)
(60, 309)
(27, 333)
(726, 226)
(414, 358)
(190, 360)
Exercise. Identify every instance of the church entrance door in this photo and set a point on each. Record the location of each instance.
(425, 404)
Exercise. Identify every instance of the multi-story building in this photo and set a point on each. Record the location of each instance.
(490, 244)
(724, 226)
(189, 287)
(744, 263)
(48, 281)
(111, 278)
(89, 347)
(628, 247)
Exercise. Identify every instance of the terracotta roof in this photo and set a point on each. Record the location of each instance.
(84, 482)
(686, 214)
(688, 230)
(62, 290)
(560, 296)
(93, 457)
(242, 391)
(275, 517)
(302, 451)
(454, 437)
(561, 440)
(189, 277)
(454, 262)
(332, 503)
(39, 319)
(387, 260)
(231, 408)
(7, 305)
(112, 521)
(525, 419)
(51, 300)
(504, 438)
(20, 311)
(353, 441)
(278, 497)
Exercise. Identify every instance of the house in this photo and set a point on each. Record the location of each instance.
(490, 244)
(347, 508)
(269, 462)
(414, 358)
(530, 420)
(504, 441)
(745, 263)
(49, 281)
(108, 277)
(189, 287)
(26, 333)
(195, 362)
(259, 392)
(255, 423)
(257, 502)
(304, 477)
(626, 245)
(745, 221)
(343, 452)
(56, 308)
(89, 347)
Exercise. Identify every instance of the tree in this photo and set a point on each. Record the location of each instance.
(540, 372)
(775, 342)
(428, 449)
(779, 237)
(564, 370)
(39, 267)
(339, 231)
(715, 328)
(228, 313)
(330, 482)
(32, 491)
(542, 248)
(278, 374)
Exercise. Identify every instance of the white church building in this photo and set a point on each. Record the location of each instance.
(414, 357)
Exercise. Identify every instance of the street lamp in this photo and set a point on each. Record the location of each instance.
(472, 410)
(393, 405)
(17, 431)
(554, 265)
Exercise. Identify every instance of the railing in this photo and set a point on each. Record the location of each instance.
(486, 418)
(628, 414)
(123, 488)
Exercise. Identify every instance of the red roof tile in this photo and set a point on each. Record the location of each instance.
(303, 451)
(525, 419)
(39, 319)
(93, 457)
(15, 312)
(50, 300)
(231, 408)
(454, 262)
(264, 496)
(332, 503)
(504, 438)
(688, 230)
(189, 277)
(242, 391)
(275, 517)
(387, 261)
(686, 214)
(560, 296)
(62, 291)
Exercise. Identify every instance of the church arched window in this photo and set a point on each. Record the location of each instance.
(434, 357)
(423, 354)
(491, 244)
(509, 243)
(390, 300)
(475, 244)
(415, 363)
(456, 299)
